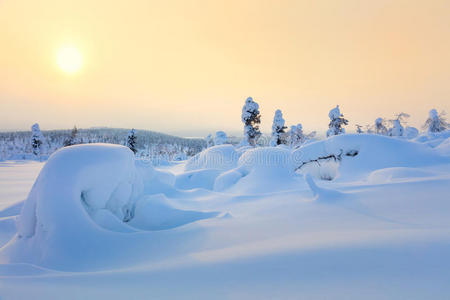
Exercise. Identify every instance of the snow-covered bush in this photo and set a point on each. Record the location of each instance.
(336, 122)
(397, 129)
(37, 140)
(380, 127)
(436, 122)
(131, 140)
(220, 138)
(251, 119)
(278, 130)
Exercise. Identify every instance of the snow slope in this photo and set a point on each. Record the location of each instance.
(255, 228)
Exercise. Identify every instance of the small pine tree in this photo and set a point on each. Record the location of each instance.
(251, 119)
(359, 128)
(278, 130)
(336, 122)
(37, 140)
(131, 141)
(72, 140)
(436, 122)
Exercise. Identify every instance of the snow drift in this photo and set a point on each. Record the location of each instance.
(259, 169)
(221, 157)
(360, 154)
(83, 201)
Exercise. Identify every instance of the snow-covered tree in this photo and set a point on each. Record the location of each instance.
(278, 130)
(359, 128)
(37, 140)
(296, 136)
(220, 138)
(72, 140)
(380, 128)
(131, 140)
(251, 119)
(209, 141)
(436, 122)
(397, 128)
(336, 122)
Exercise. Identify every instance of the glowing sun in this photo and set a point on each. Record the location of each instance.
(69, 59)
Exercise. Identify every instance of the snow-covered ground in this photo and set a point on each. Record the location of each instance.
(231, 223)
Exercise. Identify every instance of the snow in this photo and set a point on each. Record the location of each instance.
(244, 223)
(222, 157)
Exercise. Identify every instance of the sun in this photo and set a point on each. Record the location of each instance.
(69, 59)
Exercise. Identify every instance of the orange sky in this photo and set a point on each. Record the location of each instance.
(186, 67)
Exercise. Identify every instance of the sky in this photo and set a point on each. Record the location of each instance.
(186, 67)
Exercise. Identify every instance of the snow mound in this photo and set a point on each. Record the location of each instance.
(221, 157)
(84, 200)
(360, 154)
(75, 182)
(259, 170)
(433, 139)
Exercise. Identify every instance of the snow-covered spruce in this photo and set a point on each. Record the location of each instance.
(336, 122)
(436, 122)
(220, 138)
(279, 135)
(131, 141)
(37, 140)
(72, 139)
(251, 119)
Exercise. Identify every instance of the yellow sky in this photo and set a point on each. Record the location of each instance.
(187, 66)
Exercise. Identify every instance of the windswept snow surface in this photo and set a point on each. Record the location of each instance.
(249, 223)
